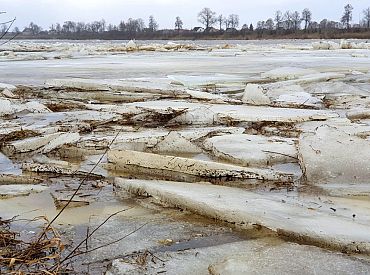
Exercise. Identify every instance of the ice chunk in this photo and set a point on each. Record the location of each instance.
(325, 45)
(329, 155)
(358, 114)
(131, 45)
(35, 107)
(254, 95)
(175, 143)
(252, 150)
(9, 191)
(66, 138)
(45, 143)
(29, 144)
(6, 107)
(299, 99)
(8, 93)
(124, 160)
(9, 87)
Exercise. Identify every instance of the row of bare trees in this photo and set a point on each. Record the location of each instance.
(292, 21)
(289, 21)
(209, 18)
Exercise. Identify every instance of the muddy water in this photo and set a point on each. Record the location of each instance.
(42, 204)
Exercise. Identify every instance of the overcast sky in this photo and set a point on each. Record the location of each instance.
(46, 12)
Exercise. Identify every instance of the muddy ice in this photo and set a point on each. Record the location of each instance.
(238, 158)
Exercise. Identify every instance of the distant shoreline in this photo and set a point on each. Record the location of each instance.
(204, 36)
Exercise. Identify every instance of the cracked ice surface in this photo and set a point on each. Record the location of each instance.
(268, 133)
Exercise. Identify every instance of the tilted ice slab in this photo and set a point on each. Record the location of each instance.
(158, 140)
(37, 121)
(9, 87)
(131, 160)
(330, 154)
(242, 207)
(8, 107)
(197, 113)
(253, 150)
(9, 191)
(206, 80)
(298, 99)
(358, 114)
(45, 143)
(337, 88)
(287, 73)
(146, 85)
(307, 79)
(292, 96)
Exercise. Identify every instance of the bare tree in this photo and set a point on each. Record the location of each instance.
(269, 24)
(122, 26)
(207, 17)
(153, 25)
(178, 23)
(220, 20)
(347, 15)
(80, 27)
(34, 28)
(288, 22)
(306, 17)
(261, 26)
(296, 20)
(58, 28)
(366, 13)
(278, 19)
(69, 27)
(134, 26)
(233, 20)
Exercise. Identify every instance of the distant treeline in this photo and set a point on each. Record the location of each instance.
(290, 24)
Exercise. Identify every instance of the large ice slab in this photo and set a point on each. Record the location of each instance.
(331, 155)
(196, 113)
(253, 150)
(131, 160)
(246, 208)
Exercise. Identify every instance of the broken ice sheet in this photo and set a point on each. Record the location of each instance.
(8, 167)
(253, 150)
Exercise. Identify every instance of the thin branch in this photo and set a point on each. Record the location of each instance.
(7, 30)
(10, 39)
(108, 244)
(90, 234)
(7, 22)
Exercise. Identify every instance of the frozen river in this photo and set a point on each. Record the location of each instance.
(106, 60)
(262, 145)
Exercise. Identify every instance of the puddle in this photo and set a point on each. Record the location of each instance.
(42, 204)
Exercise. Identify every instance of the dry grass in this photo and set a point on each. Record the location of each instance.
(31, 257)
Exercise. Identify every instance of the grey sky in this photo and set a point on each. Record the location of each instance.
(46, 12)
